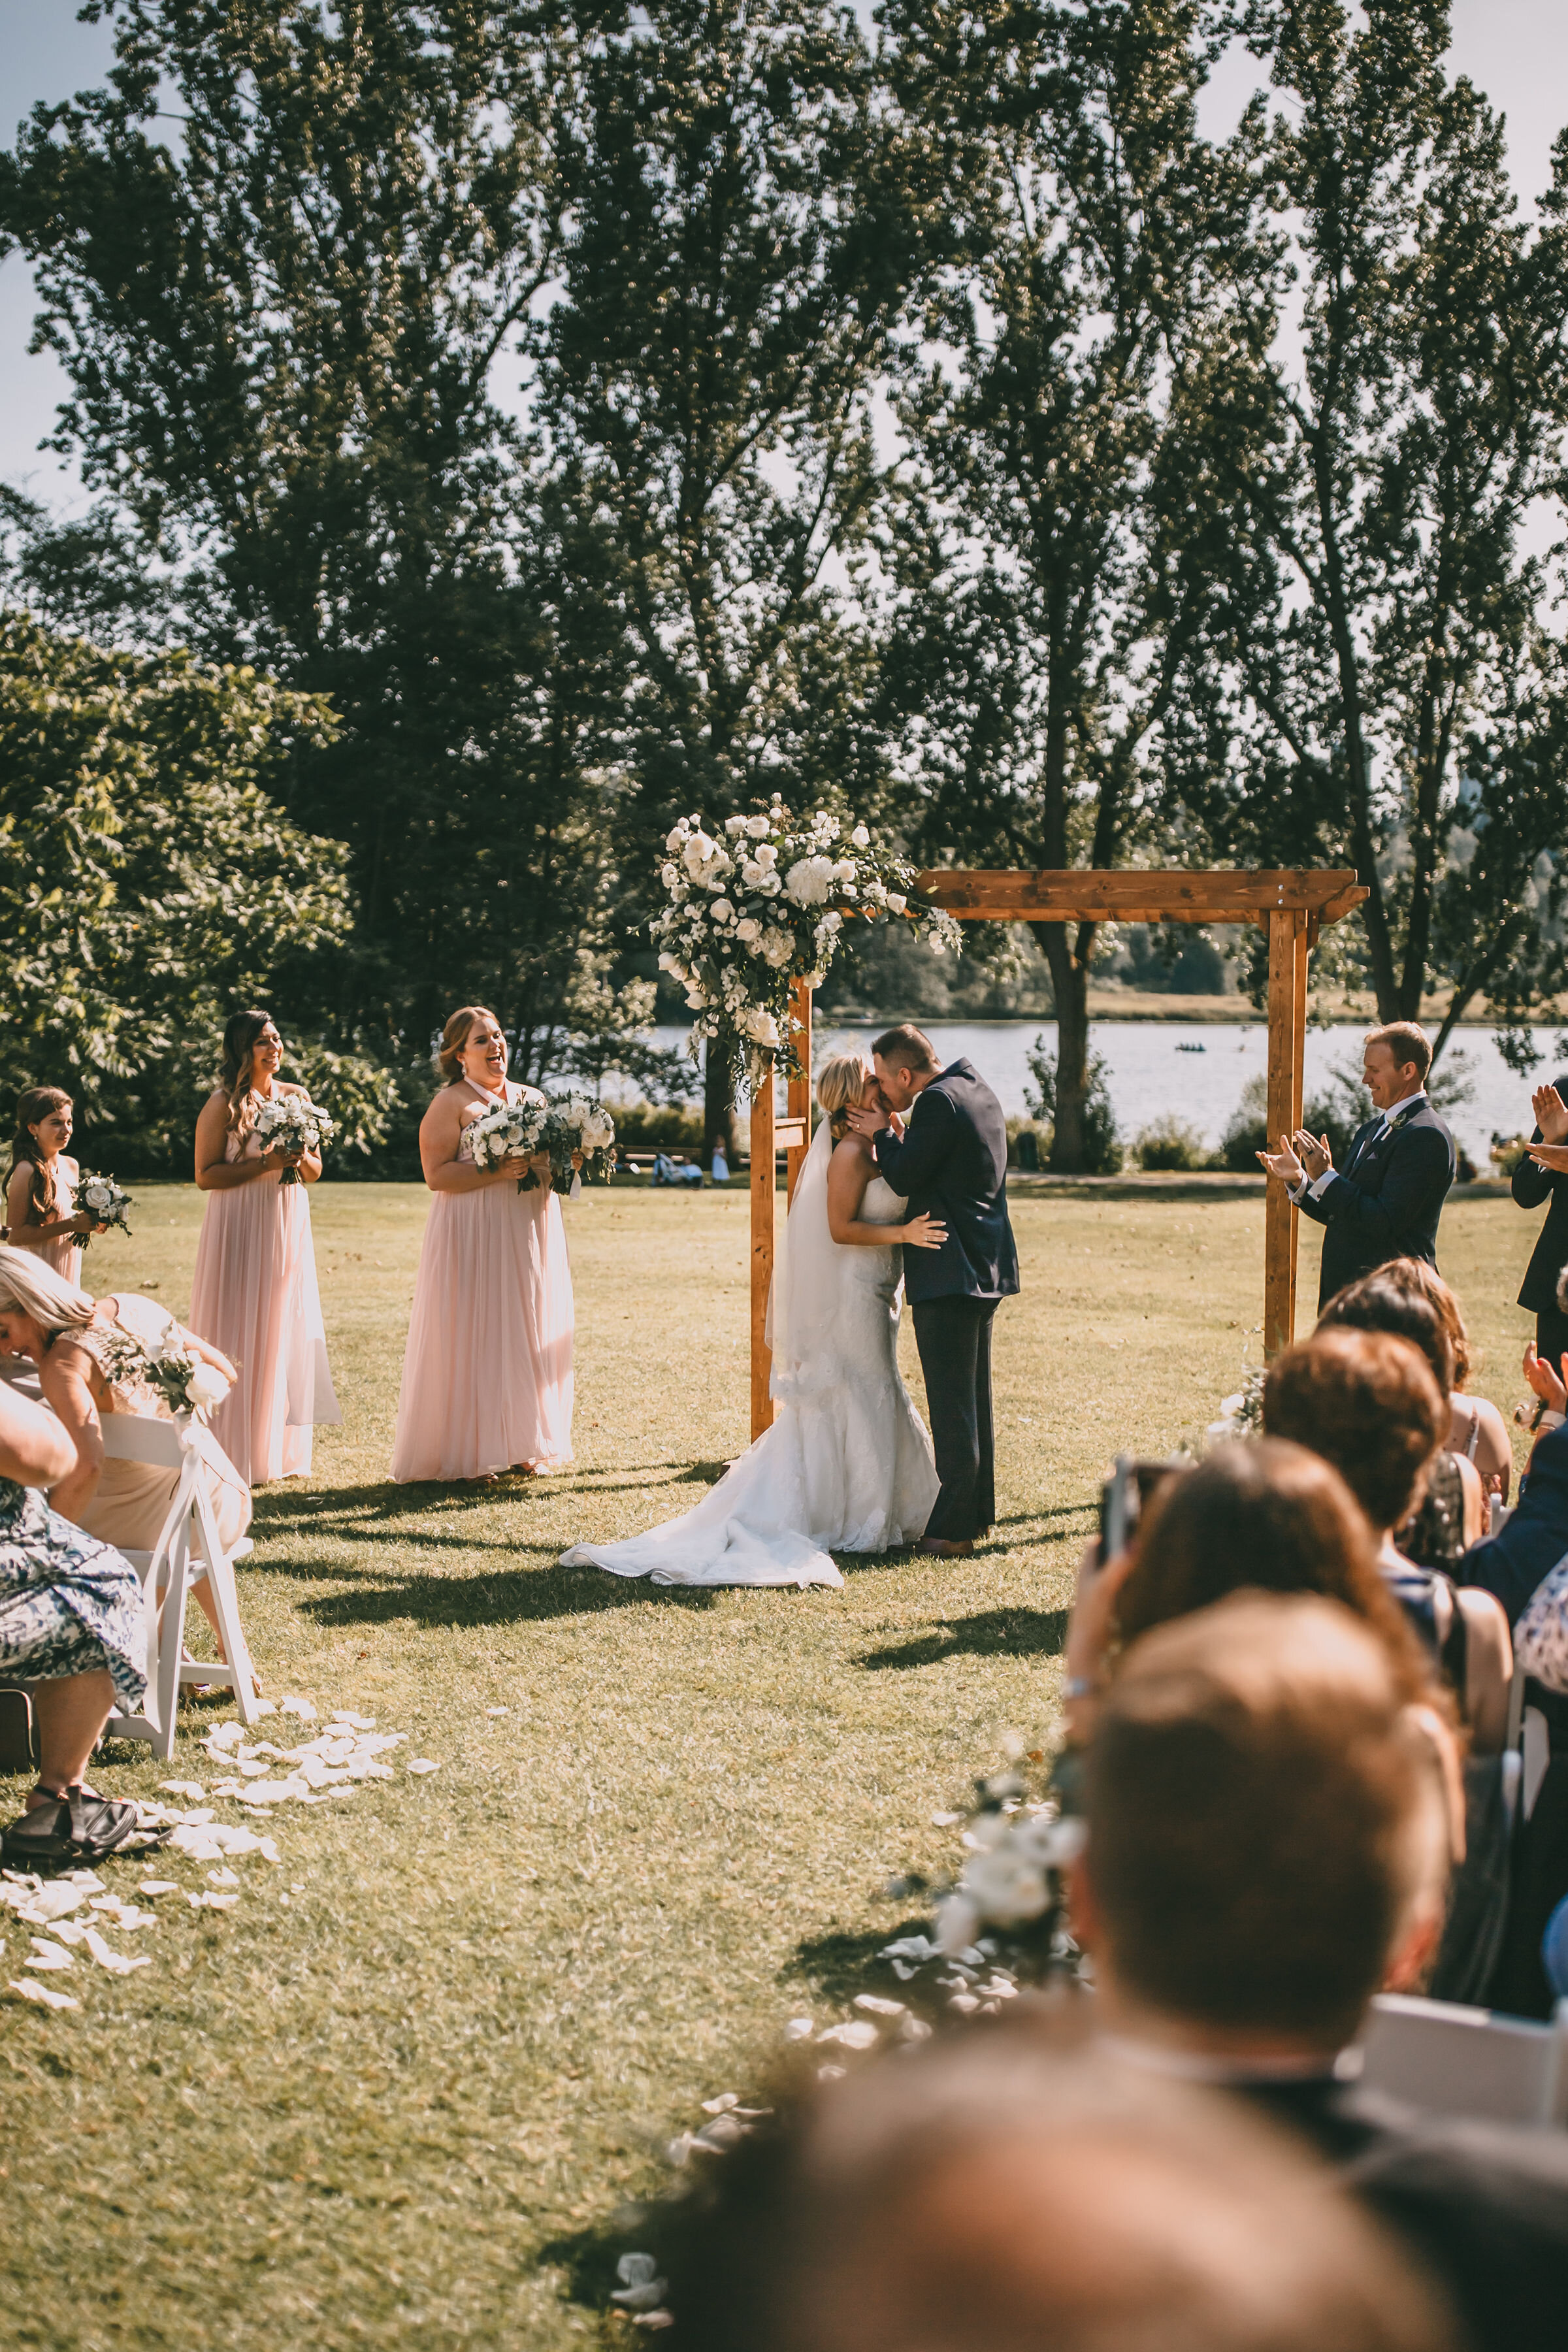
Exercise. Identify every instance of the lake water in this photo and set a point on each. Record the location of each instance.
(1150, 1077)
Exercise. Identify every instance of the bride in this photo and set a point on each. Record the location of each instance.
(846, 1464)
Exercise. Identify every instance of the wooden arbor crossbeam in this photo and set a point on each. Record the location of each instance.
(1291, 907)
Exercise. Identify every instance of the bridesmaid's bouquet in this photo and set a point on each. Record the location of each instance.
(510, 1131)
(293, 1123)
(105, 1201)
(189, 1386)
(582, 1132)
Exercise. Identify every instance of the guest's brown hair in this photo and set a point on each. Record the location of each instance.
(1407, 1042)
(239, 1038)
(1266, 1820)
(455, 1036)
(33, 1106)
(1264, 1515)
(1379, 1302)
(1424, 1281)
(1368, 1403)
(906, 1048)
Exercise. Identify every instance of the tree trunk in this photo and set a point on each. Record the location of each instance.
(1069, 984)
(718, 1108)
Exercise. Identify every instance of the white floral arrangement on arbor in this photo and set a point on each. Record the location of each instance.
(768, 900)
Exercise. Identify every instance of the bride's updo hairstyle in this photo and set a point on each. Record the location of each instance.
(455, 1036)
(840, 1083)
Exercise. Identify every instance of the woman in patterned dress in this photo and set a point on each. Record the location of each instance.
(254, 1295)
(71, 1624)
(487, 1375)
(40, 1191)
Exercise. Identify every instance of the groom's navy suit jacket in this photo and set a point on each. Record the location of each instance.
(1386, 1202)
(952, 1165)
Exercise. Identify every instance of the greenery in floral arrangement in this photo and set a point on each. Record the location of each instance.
(769, 900)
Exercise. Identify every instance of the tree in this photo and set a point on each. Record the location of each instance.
(150, 883)
(282, 331)
(731, 272)
(1387, 684)
(1081, 249)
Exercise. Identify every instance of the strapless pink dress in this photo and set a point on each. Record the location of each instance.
(64, 1252)
(486, 1374)
(255, 1297)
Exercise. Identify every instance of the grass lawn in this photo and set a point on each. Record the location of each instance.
(406, 2103)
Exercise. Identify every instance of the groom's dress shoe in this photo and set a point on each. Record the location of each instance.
(941, 1548)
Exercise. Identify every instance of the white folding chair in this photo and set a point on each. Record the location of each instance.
(189, 1540)
(1453, 2061)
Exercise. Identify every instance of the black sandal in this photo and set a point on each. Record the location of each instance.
(78, 1826)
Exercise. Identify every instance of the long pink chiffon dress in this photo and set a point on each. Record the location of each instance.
(255, 1297)
(64, 1252)
(487, 1375)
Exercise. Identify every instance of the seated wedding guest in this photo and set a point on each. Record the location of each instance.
(1011, 2190)
(1477, 1429)
(91, 1357)
(1534, 1537)
(1270, 1828)
(1542, 1175)
(71, 1625)
(40, 1187)
(1368, 1403)
(1452, 1512)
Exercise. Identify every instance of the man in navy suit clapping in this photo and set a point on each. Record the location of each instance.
(1386, 1201)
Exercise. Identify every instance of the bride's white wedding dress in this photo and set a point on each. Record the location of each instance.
(846, 1464)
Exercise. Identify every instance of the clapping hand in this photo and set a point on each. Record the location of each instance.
(1315, 1151)
(1551, 1114)
(1283, 1163)
(1546, 1380)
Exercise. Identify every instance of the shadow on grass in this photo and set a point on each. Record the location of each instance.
(995, 1633)
(588, 2257)
(384, 1503)
(529, 1597)
(838, 1966)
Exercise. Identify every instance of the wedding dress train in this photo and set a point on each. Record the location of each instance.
(846, 1464)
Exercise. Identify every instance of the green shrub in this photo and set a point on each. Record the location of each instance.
(657, 1127)
(1102, 1152)
(1170, 1143)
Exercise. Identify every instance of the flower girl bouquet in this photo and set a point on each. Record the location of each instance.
(293, 1123)
(510, 1131)
(581, 1138)
(105, 1201)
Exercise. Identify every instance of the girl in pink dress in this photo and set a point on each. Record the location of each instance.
(255, 1297)
(487, 1376)
(40, 1191)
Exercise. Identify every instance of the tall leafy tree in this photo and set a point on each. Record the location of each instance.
(1387, 696)
(1081, 247)
(729, 274)
(284, 320)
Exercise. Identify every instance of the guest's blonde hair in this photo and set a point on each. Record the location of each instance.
(30, 1288)
(840, 1083)
(455, 1036)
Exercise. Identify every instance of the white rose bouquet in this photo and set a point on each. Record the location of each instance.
(579, 1128)
(511, 1131)
(187, 1384)
(769, 899)
(104, 1201)
(292, 1123)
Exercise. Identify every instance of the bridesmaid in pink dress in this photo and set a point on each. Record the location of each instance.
(40, 1191)
(487, 1376)
(255, 1297)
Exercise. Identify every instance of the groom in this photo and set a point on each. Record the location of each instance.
(950, 1161)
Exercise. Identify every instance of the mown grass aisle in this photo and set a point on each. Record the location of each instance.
(397, 2105)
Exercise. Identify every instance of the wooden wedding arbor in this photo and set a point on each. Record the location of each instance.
(1292, 908)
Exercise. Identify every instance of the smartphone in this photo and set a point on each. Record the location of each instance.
(1123, 1498)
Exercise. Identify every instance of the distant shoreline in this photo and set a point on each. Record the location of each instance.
(1129, 1004)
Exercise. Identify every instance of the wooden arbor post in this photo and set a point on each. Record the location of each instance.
(1291, 907)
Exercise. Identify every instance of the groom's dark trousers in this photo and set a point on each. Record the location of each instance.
(951, 1164)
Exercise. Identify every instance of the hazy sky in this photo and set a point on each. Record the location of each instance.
(1516, 49)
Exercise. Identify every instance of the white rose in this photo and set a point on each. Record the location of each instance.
(734, 824)
(760, 1027)
(669, 876)
(767, 854)
(757, 828)
(675, 840)
(808, 881)
(861, 837)
(205, 1387)
(721, 911)
(897, 902)
(778, 947)
(845, 870)
(697, 850)
(771, 885)
(1008, 1886)
(748, 928)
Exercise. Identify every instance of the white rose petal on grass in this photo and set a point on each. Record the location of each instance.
(192, 1788)
(421, 1764)
(875, 2006)
(299, 1706)
(159, 1887)
(721, 2105)
(857, 2034)
(799, 2029)
(222, 1877)
(45, 1995)
(212, 1901)
(119, 1964)
(641, 2288)
(498, 1710)
(49, 1956)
